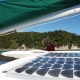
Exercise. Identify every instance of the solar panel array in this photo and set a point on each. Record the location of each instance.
(54, 64)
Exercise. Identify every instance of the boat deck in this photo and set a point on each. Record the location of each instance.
(51, 65)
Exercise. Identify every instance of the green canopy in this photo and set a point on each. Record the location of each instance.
(16, 11)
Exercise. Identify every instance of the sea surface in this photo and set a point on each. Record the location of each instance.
(2, 62)
(1, 51)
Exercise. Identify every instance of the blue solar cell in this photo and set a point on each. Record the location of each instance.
(54, 59)
(76, 67)
(77, 62)
(65, 55)
(42, 72)
(46, 65)
(56, 66)
(67, 66)
(59, 54)
(70, 55)
(37, 65)
(76, 59)
(44, 61)
(68, 59)
(60, 62)
(53, 54)
(77, 73)
(67, 73)
(69, 62)
(31, 70)
(51, 62)
(21, 69)
(54, 72)
(47, 58)
(62, 59)
(77, 54)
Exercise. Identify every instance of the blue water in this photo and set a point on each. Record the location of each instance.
(2, 62)
(1, 51)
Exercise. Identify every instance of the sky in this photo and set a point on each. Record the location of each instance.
(69, 24)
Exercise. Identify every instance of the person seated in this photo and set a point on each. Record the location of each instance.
(49, 46)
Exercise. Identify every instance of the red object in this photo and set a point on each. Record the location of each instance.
(50, 47)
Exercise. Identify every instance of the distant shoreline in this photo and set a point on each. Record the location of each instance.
(4, 50)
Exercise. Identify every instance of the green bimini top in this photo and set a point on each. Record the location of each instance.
(16, 11)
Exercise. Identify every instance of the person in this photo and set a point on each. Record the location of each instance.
(49, 46)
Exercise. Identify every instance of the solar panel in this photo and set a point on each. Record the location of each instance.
(54, 72)
(37, 65)
(60, 62)
(42, 72)
(76, 67)
(31, 70)
(54, 65)
(67, 66)
(19, 70)
(67, 73)
(46, 65)
(77, 73)
(77, 62)
(69, 62)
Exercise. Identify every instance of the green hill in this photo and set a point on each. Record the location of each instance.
(37, 40)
